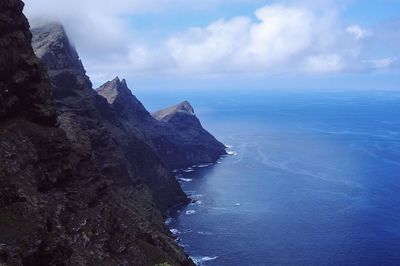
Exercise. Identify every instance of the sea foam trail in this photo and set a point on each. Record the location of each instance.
(200, 260)
(185, 179)
(232, 153)
(174, 231)
(203, 165)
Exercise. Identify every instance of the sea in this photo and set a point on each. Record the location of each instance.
(312, 178)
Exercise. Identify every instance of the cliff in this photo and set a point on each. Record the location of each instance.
(175, 133)
(95, 127)
(69, 194)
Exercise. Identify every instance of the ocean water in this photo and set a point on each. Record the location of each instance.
(313, 179)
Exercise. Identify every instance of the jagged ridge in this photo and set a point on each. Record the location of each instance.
(174, 133)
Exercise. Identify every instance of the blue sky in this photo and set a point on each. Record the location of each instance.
(238, 44)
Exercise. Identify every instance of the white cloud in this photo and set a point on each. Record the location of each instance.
(280, 39)
(382, 63)
(358, 32)
(324, 63)
(305, 36)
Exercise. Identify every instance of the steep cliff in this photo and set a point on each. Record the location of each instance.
(175, 133)
(58, 203)
(94, 126)
(198, 145)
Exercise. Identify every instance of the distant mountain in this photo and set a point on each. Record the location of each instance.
(175, 133)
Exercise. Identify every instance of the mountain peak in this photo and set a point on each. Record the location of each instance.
(181, 108)
(185, 106)
(112, 89)
(51, 44)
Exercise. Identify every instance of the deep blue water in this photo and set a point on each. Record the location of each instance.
(315, 181)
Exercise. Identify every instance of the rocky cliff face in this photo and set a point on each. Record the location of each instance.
(196, 144)
(175, 133)
(60, 203)
(94, 126)
(24, 91)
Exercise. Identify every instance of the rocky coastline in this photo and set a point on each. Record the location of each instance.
(86, 175)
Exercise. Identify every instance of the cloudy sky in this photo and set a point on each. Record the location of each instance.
(181, 44)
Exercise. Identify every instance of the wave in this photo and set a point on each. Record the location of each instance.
(232, 153)
(185, 179)
(174, 231)
(206, 258)
(204, 165)
(189, 212)
(199, 260)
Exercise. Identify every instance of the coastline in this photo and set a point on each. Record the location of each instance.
(173, 213)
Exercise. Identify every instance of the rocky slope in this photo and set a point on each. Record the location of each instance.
(62, 202)
(196, 144)
(175, 133)
(94, 126)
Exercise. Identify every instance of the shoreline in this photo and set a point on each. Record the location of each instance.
(174, 212)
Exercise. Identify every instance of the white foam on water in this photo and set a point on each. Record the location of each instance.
(196, 196)
(174, 231)
(198, 260)
(168, 221)
(237, 204)
(204, 165)
(206, 258)
(185, 179)
(228, 146)
(232, 153)
(188, 170)
(189, 212)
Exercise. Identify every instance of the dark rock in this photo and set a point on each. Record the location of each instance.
(57, 205)
(175, 133)
(94, 126)
(23, 87)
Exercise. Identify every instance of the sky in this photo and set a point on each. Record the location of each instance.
(233, 44)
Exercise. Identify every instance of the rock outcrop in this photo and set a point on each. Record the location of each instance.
(197, 144)
(175, 133)
(62, 201)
